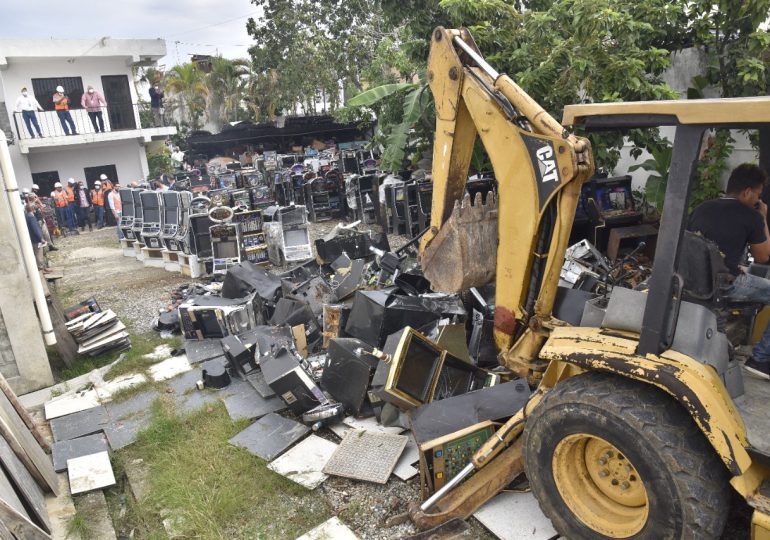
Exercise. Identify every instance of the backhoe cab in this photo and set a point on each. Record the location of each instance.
(639, 424)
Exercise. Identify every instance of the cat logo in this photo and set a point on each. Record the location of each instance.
(547, 163)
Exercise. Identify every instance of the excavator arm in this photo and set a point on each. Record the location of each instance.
(519, 237)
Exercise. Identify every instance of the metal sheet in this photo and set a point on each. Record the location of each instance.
(270, 436)
(63, 450)
(248, 404)
(515, 516)
(79, 424)
(368, 456)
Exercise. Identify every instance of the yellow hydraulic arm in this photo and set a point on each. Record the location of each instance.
(522, 236)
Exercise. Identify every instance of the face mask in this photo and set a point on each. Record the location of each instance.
(90, 90)
(25, 93)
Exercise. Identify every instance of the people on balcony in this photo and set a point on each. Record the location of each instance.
(28, 106)
(156, 104)
(92, 101)
(61, 103)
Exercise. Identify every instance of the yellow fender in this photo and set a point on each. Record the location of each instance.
(693, 384)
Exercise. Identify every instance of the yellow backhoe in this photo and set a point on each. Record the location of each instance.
(639, 426)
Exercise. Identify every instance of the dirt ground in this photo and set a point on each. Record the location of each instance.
(94, 266)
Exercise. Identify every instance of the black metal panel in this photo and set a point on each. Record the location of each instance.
(655, 324)
(615, 121)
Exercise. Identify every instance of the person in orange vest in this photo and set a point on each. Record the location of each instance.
(83, 203)
(97, 199)
(62, 206)
(70, 190)
(62, 105)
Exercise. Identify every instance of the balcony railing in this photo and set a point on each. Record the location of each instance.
(114, 117)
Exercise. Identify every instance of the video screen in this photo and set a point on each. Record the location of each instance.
(417, 369)
(225, 250)
(152, 215)
(171, 216)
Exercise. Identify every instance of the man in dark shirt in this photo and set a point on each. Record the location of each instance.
(738, 220)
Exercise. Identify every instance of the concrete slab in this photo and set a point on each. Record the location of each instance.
(269, 436)
(248, 404)
(93, 505)
(340, 429)
(201, 350)
(169, 368)
(79, 424)
(91, 472)
(304, 463)
(371, 424)
(82, 446)
(515, 516)
(367, 456)
(138, 478)
(331, 528)
(71, 403)
(34, 400)
(140, 402)
(61, 510)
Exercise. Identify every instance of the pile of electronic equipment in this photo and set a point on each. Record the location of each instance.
(355, 332)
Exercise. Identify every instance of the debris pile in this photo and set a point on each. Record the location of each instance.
(96, 332)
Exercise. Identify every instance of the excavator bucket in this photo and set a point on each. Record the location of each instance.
(463, 254)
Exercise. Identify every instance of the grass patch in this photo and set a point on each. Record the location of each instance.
(210, 489)
(79, 526)
(133, 361)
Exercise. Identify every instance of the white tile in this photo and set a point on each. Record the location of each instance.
(331, 528)
(90, 472)
(515, 516)
(161, 352)
(340, 429)
(71, 403)
(105, 391)
(170, 368)
(371, 424)
(303, 463)
(411, 455)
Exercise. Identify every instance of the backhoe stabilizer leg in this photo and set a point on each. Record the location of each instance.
(469, 496)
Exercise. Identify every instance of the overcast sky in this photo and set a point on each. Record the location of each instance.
(199, 26)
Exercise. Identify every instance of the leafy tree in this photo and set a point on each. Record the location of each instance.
(226, 83)
(187, 86)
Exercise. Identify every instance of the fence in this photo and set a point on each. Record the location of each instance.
(116, 117)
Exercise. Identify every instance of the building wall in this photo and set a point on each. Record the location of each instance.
(685, 65)
(128, 157)
(23, 358)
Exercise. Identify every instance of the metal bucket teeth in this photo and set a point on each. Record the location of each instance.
(464, 252)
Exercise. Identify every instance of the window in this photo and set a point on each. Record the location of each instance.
(45, 180)
(92, 174)
(44, 89)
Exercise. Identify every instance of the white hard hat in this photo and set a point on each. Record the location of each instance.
(25, 190)
(35, 186)
(97, 183)
(102, 177)
(60, 89)
(57, 184)
(70, 180)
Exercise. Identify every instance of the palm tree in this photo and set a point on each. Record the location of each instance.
(187, 85)
(226, 83)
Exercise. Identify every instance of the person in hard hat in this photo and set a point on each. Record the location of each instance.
(61, 102)
(62, 206)
(92, 101)
(83, 200)
(97, 199)
(70, 189)
(28, 106)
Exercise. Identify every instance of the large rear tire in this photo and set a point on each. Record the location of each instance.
(609, 457)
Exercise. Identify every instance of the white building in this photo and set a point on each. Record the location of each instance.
(106, 64)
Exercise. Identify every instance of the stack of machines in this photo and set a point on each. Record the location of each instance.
(288, 238)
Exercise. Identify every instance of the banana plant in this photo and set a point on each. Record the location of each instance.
(657, 166)
(397, 135)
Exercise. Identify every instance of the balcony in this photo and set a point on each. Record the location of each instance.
(121, 122)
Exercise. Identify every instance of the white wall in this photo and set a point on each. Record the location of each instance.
(128, 157)
(684, 66)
